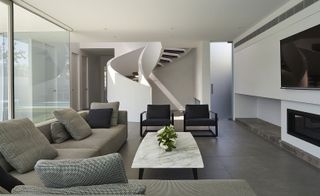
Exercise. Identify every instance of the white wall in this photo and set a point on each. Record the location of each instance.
(178, 78)
(257, 73)
(202, 73)
(120, 48)
(245, 106)
(268, 110)
(257, 62)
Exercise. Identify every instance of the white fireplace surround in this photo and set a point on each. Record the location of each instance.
(299, 143)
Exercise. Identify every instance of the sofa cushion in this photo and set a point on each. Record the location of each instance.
(59, 133)
(100, 118)
(4, 164)
(45, 128)
(7, 181)
(28, 178)
(105, 141)
(77, 127)
(105, 189)
(31, 178)
(76, 153)
(196, 187)
(22, 144)
(82, 172)
(113, 105)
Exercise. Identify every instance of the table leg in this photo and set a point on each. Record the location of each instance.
(141, 170)
(195, 173)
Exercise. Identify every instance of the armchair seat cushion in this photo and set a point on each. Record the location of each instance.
(200, 122)
(156, 122)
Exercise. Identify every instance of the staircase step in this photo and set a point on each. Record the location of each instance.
(174, 50)
(169, 56)
(165, 60)
(160, 65)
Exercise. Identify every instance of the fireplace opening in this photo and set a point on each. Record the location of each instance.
(303, 125)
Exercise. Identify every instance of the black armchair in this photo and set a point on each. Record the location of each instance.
(199, 115)
(156, 115)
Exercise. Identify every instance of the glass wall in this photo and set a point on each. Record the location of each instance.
(4, 27)
(41, 66)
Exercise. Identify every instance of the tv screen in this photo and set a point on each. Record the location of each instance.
(300, 60)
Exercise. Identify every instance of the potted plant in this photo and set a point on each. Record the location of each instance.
(167, 138)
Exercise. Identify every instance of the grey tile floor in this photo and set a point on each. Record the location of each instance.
(238, 154)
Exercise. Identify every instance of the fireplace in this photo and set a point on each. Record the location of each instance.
(303, 125)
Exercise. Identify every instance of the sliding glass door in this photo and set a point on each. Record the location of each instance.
(4, 59)
(34, 64)
(41, 66)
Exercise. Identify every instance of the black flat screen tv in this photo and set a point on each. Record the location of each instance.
(300, 60)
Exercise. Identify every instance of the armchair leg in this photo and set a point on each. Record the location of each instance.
(217, 129)
(141, 135)
(172, 119)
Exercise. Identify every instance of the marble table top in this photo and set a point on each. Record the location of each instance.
(151, 155)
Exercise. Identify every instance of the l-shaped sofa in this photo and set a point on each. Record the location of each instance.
(105, 141)
(101, 142)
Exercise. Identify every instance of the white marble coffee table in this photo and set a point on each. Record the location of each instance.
(150, 155)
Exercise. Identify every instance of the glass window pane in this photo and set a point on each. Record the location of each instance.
(4, 22)
(41, 66)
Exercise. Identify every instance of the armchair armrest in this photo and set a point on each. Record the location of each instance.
(141, 115)
(215, 115)
(172, 118)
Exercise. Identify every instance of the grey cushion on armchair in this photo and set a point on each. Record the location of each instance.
(82, 172)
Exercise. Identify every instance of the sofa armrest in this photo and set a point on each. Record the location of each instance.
(3, 191)
(123, 117)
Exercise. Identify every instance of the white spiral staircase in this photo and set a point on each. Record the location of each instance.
(132, 93)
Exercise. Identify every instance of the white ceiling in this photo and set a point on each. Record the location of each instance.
(157, 20)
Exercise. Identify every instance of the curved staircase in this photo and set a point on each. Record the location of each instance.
(132, 86)
(170, 55)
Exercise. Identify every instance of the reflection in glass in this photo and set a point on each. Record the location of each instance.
(4, 12)
(41, 66)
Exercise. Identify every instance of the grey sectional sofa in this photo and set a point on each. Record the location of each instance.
(105, 141)
(101, 142)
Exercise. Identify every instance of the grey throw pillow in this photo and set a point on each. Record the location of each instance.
(59, 133)
(113, 105)
(4, 164)
(22, 144)
(104, 189)
(76, 126)
(83, 172)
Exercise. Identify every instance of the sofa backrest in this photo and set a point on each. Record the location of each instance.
(45, 128)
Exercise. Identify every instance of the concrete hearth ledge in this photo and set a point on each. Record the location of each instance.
(272, 133)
